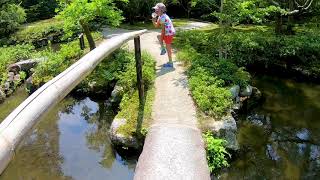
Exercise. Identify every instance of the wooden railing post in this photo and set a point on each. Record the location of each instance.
(137, 50)
(81, 41)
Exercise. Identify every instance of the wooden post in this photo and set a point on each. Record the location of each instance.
(137, 50)
(81, 40)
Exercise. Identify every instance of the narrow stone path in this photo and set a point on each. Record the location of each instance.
(173, 148)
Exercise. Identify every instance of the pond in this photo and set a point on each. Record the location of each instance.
(290, 149)
(70, 142)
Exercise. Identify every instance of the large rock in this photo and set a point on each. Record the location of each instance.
(225, 129)
(247, 91)
(116, 94)
(272, 152)
(256, 93)
(11, 76)
(119, 139)
(235, 90)
(25, 65)
(255, 99)
(17, 77)
(260, 120)
(2, 96)
(29, 86)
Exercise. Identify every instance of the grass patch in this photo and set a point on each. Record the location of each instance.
(129, 105)
(131, 111)
(138, 25)
(180, 22)
(149, 25)
(252, 28)
(209, 28)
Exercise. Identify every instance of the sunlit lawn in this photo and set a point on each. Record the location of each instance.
(149, 25)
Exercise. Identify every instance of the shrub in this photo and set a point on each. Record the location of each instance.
(216, 152)
(210, 77)
(12, 54)
(257, 46)
(39, 9)
(187, 54)
(11, 16)
(56, 62)
(208, 92)
(38, 31)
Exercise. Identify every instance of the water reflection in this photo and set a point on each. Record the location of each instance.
(291, 149)
(71, 142)
(12, 102)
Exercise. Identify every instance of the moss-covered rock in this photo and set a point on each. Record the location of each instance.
(226, 129)
(121, 139)
(130, 126)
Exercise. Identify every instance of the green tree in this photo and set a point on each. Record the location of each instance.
(137, 9)
(81, 12)
(39, 9)
(292, 8)
(186, 5)
(11, 16)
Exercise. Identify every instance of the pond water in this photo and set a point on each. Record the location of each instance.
(71, 142)
(290, 149)
(12, 102)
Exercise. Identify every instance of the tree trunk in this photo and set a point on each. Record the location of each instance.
(278, 25)
(221, 30)
(291, 8)
(88, 34)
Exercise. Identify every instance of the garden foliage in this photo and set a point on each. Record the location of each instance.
(216, 152)
(12, 54)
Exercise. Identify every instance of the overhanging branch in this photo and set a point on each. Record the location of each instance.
(300, 9)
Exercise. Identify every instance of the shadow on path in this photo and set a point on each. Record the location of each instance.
(164, 70)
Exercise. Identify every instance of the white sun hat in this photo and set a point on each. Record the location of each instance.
(160, 6)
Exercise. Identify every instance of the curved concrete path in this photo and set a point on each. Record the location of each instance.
(173, 148)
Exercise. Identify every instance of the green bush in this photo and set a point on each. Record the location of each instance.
(11, 16)
(39, 9)
(56, 62)
(261, 47)
(209, 77)
(216, 152)
(12, 54)
(208, 92)
(38, 31)
(187, 55)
